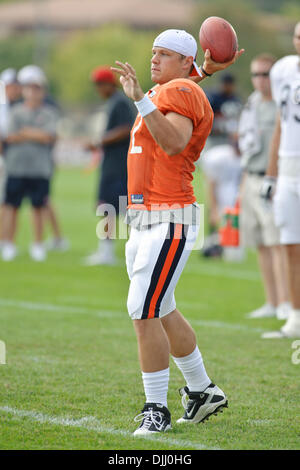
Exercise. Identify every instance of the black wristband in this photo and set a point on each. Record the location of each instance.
(205, 73)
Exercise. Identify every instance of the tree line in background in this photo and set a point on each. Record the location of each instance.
(68, 58)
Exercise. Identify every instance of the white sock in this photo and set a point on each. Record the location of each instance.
(193, 370)
(156, 386)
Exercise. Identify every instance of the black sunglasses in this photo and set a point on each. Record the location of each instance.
(262, 74)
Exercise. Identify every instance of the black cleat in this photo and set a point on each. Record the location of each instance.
(155, 418)
(200, 405)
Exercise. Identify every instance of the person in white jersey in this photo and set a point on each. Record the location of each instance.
(222, 170)
(257, 224)
(284, 173)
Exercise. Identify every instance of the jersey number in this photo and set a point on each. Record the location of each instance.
(285, 96)
(136, 148)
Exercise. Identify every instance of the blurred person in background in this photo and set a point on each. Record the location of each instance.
(113, 169)
(10, 95)
(31, 134)
(222, 170)
(226, 105)
(257, 223)
(283, 176)
(57, 242)
(13, 96)
(220, 161)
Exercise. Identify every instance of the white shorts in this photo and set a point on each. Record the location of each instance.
(155, 259)
(287, 209)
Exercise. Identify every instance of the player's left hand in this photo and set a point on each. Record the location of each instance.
(129, 81)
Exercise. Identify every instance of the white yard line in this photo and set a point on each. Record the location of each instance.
(229, 326)
(37, 306)
(118, 314)
(90, 423)
(217, 271)
(57, 308)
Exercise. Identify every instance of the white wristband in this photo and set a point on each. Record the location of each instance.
(145, 106)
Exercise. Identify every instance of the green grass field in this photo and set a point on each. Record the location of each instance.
(72, 378)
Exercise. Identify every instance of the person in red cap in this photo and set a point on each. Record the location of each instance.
(113, 172)
(103, 75)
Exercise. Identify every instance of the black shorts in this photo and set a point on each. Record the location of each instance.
(110, 190)
(17, 188)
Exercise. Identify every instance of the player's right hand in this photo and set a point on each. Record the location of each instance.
(129, 81)
(210, 66)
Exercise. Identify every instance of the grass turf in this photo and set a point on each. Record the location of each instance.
(72, 377)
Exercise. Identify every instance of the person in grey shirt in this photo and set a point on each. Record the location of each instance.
(257, 223)
(29, 166)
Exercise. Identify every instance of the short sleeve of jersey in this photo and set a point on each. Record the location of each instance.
(183, 98)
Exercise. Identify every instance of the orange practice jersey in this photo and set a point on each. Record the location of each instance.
(154, 177)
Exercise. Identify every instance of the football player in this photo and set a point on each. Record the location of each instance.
(173, 122)
(285, 163)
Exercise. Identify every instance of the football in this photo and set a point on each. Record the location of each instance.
(217, 35)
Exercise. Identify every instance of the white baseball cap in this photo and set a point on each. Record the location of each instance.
(32, 74)
(9, 76)
(180, 41)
